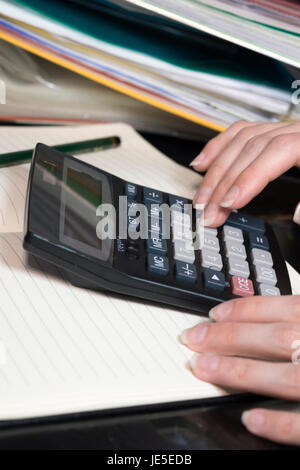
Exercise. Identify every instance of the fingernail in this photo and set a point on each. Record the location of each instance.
(296, 217)
(230, 196)
(194, 361)
(198, 159)
(209, 214)
(221, 312)
(202, 196)
(183, 337)
(199, 208)
(253, 420)
(194, 335)
(205, 362)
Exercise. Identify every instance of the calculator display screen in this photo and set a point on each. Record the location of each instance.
(83, 191)
(64, 196)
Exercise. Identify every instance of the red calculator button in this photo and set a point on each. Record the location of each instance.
(241, 286)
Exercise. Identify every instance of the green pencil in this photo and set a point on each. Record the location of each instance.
(73, 148)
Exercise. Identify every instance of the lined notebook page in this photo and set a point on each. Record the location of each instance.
(70, 349)
(135, 160)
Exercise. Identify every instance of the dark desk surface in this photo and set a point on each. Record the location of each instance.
(209, 426)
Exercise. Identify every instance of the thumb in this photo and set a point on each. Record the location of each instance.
(296, 217)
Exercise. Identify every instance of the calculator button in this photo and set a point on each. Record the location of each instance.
(153, 195)
(132, 207)
(132, 252)
(153, 209)
(245, 222)
(265, 275)
(211, 231)
(213, 279)
(233, 248)
(258, 241)
(184, 251)
(133, 224)
(121, 245)
(131, 190)
(186, 272)
(157, 245)
(265, 289)
(177, 203)
(211, 259)
(201, 232)
(211, 242)
(241, 286)
(183, 233)
(199, 225)
(155, 226)
(232, 233)
(238, 267)
(261, 257)
(179, 218)
(158, 264)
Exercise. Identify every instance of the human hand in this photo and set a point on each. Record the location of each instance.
(253, 346)
(240, 162)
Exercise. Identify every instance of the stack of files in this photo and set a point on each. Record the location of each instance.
(64, 349)
(197, 77)
(271, 27)
(38, 91)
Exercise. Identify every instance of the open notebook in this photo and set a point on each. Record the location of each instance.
(66, 349)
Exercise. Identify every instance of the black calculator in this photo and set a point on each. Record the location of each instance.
(84, 220)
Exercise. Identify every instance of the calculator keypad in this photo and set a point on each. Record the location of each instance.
(234, 258)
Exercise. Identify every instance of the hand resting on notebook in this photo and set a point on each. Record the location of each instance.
(249, 347)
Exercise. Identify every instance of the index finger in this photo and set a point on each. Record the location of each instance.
(216, 145)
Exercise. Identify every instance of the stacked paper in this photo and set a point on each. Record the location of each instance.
(200, 80)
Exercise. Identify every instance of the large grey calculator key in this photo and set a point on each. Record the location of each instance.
(180, 218)
(184, 251)
(265, 275)
(233, 233)
(238, 267)
(210, 242)
(183, 233)
(266, 289)
(211, 259)
(233, 248)
(158, 264)
(261, 257)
